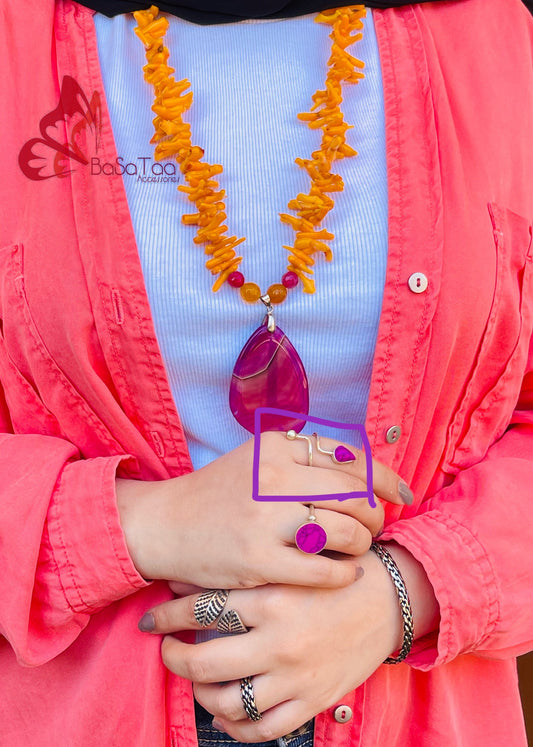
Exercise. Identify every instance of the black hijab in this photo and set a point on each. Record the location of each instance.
(230, 11)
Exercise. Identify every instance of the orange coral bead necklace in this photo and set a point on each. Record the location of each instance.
(268, 371)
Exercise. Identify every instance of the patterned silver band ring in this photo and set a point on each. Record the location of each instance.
(209, 606)
(248, 699)
(231, 623)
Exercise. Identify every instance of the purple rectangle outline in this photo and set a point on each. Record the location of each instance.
(368, 493)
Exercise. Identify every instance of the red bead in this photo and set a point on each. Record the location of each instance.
(236, 279)
(290, 279)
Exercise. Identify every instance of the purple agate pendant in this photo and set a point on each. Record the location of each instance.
(269, 373)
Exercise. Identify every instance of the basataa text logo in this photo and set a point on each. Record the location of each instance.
(144, 168)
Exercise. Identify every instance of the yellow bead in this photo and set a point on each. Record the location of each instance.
(277, 293)
(250, 292)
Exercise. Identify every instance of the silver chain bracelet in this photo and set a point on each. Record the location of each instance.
(403, 597)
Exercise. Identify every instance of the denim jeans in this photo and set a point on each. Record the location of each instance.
(209, 737)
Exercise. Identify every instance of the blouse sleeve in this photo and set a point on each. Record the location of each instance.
(62, 551)
(475, 539)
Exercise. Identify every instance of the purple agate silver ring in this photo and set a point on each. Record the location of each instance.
(340, 454)
(311, 536)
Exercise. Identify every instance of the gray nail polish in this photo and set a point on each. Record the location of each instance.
(147, 623)
(405, 492)
(359, 572)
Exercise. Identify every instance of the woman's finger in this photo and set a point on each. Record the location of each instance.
(225, 701)
(275, 723)
(310, 482)
(344, 533)
(359, 510)
(180, 614)
(184, 590)
(386, 484)
(218, 660)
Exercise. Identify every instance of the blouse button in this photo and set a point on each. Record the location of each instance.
(393, 434)
(418, 282)
(343, 714)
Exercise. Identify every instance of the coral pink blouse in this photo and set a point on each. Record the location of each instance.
(84, 394)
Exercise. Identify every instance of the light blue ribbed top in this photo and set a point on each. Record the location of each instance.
(250, 80)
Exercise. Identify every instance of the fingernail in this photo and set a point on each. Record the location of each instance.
(359, 572)
(147, 623)
(217, 725)
(405, 492)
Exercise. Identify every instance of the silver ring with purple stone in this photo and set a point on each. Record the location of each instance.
(311, 536)
(340, 454)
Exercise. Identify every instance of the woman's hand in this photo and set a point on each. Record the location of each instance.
(305, 649)
(205, 529)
